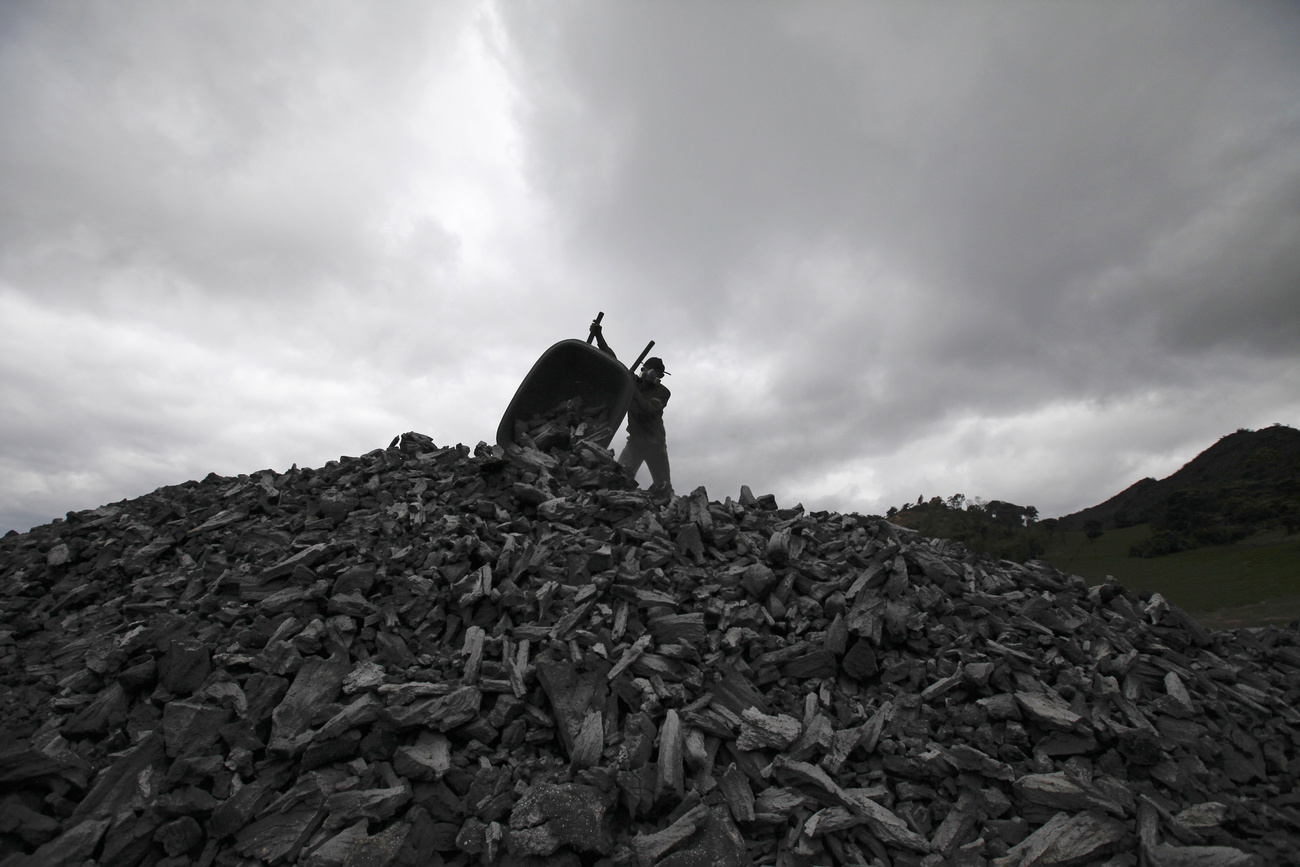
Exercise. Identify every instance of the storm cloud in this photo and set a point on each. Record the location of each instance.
(1031, 253)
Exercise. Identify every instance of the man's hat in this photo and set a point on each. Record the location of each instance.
(657, 363)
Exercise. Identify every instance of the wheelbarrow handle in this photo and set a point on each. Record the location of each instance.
(641, 357)
(591, 335)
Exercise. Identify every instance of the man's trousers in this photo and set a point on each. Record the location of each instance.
(654, 455)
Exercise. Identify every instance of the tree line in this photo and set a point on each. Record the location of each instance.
(1003, 530)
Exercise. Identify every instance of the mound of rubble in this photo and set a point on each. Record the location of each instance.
(427, 656)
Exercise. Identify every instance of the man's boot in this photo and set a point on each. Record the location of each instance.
(661, 493)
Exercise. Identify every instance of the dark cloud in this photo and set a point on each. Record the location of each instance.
(887, 249)
(918, 216)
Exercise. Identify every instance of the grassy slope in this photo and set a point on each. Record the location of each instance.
(1231, 585)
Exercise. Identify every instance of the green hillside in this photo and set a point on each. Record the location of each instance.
(1218, 538)
(1251, 583)
(1246, 483)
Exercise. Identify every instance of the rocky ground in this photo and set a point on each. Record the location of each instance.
(428, 655)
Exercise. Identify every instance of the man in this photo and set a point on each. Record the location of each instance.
(647, 442)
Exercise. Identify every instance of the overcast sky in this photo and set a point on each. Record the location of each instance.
(1031, 252)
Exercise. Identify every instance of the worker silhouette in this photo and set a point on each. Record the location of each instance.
(647, 443)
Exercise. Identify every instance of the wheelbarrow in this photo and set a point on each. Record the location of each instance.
(574, 369)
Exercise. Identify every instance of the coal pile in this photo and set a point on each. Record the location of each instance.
(427, 655)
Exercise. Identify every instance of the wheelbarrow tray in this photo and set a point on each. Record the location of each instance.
(569, 369)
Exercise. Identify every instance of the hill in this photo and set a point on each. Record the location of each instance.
(446, 656)
(1246, 482)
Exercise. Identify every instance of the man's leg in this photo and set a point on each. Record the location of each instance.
(656, 458)
(631, 458)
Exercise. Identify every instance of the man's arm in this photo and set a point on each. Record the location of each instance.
(654, 402)
(599, 334)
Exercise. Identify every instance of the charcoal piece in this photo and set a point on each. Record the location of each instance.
(1140, 747)
(830, 820)
(355, 579)
(717, 842)
(129, 838)
(1168, 855)
(766, 731)
(812, 664)
(192, 727)
(117, 788)
(20, 761)
(32, 827)
(360, 712)
(1009, 831)
(650, 848)
(336, 506)
(842, 744)
(264, 693)
(307, 557)
(364, 676)
(107, 711)
(184, 667)
(739, 795)
(279, 836)
(689, 542)
(758, 580)
(977, 674)
(184, 801)
(548, 816)
(442, 803)
(572, 696)
(1203, 816)
(379, 744)
(478, 729)
(505, 710)
(897, 614)
(224, 518)
(1082, 838)
(427, 759)
(964, 757)
(393, 650)
(391, 846)
(377, 805)
(1046, 711)
(884, 824)
(818, 730)
(139, 677)
(670, 777)
(239, 810)
(637, 788)
(1066, 744)
(956, 827)
(179, 835)
(1059, 791)
(679, 628)
(74, 846)
(335, 851)
(1002, 706)
(327, 752)
(443, 713)
(241, 734)
(317, 683)
(590, 741)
